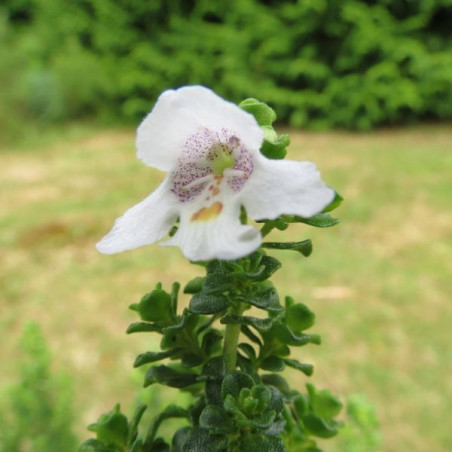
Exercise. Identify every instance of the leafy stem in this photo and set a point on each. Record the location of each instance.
(231, 340)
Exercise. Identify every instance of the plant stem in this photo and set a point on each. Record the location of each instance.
(231, 340)
(267, 228)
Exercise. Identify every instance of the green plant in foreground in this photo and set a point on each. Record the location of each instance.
(225, 165)
(37, 415)
(361, 433)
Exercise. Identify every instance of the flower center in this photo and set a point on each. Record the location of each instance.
(222, 158)
(210, 159)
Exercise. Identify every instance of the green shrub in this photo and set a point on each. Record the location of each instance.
(36, 413)
(321, 63)
(362, 429)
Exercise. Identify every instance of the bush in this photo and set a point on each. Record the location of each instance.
(321, 63)
(362, 430)
(36, 414)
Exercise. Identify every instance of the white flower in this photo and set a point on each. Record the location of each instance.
(210, 149)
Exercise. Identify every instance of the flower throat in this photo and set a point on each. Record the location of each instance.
(221, 158)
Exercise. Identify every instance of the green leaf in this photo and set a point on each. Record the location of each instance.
(248, 350)
(336, 202)
(301, 405)
(246, 402)
(133, 424)
(277, 428)
(186, 321)
(213, 391)
(273, 364)
(270, 134)
(277, 381)
(284, 334)
(137, 446)
(261, 443)
(275, 149)
(265, 115)
(307, 369)
(180, 438)
(202, 303)
(143, 327)
(260, 324)
(278, 223)
(263, 298)
(171, 411)
(263, 395)
(155, 306)
(216, 419)
(320, 427)
(200, 440)
(250, 335)
(210, 341)
(281, 350)
(321, 220)
(234, 382)
(195, 285)
(151, 357)
(315, 339)
(159, 445)
(323, 402)
(231, 405)
(304, 247)
(214, 367)
(93, 445)
(246, 366)
(276, 401)
(263, 421)
(174, 295)
(268, 266)
(170, 377)
(299, 317)
(191, 360)
(219, 282)
(111, 427)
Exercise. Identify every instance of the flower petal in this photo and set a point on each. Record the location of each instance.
(143, 224)
(214, 231)
(288, 187)
(180, 113)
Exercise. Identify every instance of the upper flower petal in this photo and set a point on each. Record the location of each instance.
(179, 113)
(214, 231)
(143, 224)
(288, 187)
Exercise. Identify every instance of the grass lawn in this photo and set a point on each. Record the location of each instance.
(380, 282)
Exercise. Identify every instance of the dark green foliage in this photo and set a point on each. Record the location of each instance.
(238, 410)
(353, 63)
(246, 412)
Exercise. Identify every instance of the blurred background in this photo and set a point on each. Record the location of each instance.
(364, 88)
